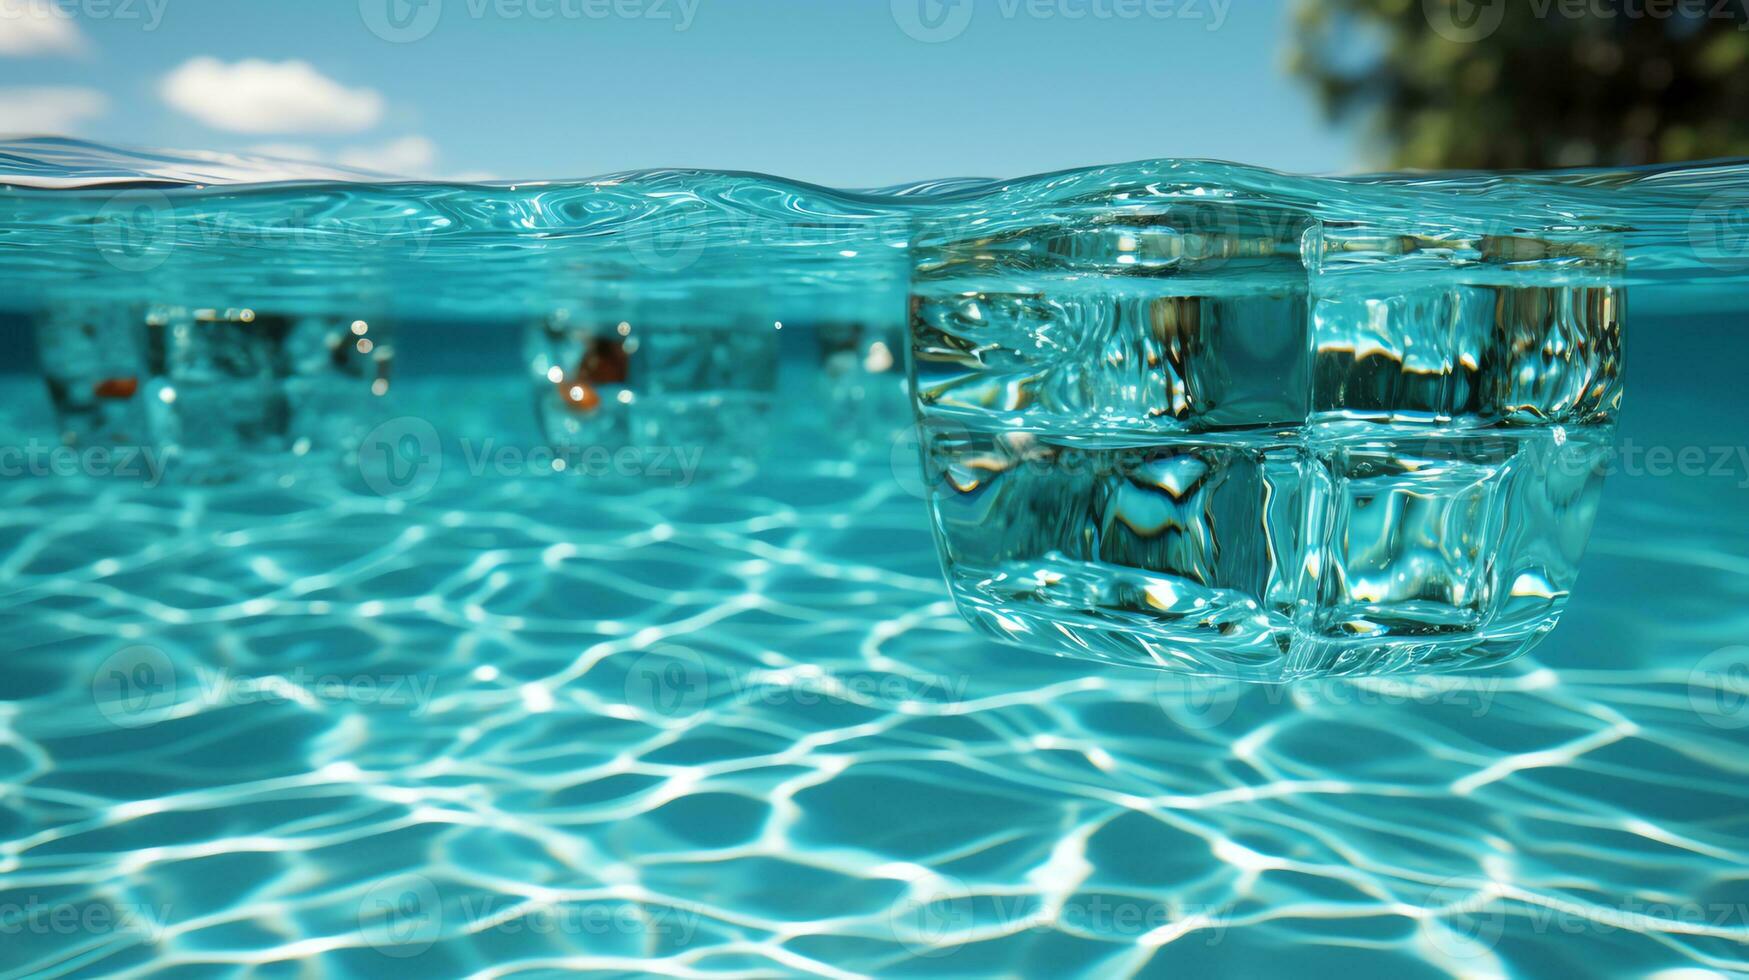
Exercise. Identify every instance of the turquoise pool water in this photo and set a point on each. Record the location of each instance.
(525, 722)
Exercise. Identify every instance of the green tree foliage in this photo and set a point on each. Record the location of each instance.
(1503, 84)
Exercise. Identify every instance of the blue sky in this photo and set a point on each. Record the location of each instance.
(846, 92)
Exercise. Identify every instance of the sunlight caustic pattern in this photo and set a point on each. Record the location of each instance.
(523, 725)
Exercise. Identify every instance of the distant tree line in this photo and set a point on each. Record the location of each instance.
(1505, 84)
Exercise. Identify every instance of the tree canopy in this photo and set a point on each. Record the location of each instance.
(1507, 84)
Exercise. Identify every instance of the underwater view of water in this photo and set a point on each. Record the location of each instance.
(531, 578)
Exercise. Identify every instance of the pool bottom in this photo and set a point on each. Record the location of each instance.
(524, 723)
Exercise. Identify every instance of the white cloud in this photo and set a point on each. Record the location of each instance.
(49, 108)
(255, 96)
(287, 151)
(409, 156)
(38, 27)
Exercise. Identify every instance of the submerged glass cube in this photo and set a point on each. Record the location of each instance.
(659, 392)
(337, 371)
(861, 374)
(215, 390)
(228, 387)
(1228, 440)
(93, 359)
(214, 395)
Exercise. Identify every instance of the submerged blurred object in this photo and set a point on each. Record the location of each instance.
(859, 375)
(92, 357)
(214, 391)
(654, 390)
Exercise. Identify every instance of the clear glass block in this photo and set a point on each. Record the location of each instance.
(213, 391)
(94, 363)
(338, 370)
(662, 391)
(1227, 440)
(860, 370)
(228, 387)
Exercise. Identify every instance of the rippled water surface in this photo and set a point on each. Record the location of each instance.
(528, 722)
